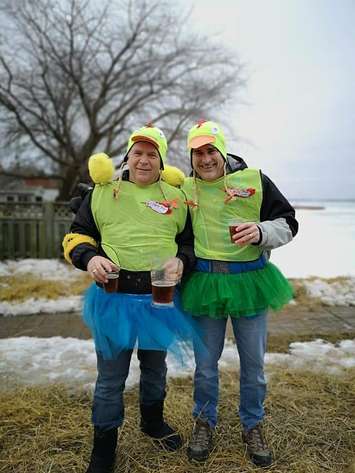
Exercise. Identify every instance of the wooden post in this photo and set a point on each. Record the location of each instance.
(48, 228)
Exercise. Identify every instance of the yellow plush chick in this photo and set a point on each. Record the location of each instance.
(173, 175)
(101, 168)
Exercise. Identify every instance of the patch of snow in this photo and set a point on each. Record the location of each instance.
(41, 306)
(316, 355)
(340, 293)
(52, 269)
(32, 360)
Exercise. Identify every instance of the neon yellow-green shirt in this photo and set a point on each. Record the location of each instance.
(210, 218)
(132, 234)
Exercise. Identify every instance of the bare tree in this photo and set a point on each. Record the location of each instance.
(77, 77)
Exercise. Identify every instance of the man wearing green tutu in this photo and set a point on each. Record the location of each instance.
(238, 216)
(125, 223)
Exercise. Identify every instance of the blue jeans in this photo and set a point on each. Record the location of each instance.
(108, 407)
(250, 336)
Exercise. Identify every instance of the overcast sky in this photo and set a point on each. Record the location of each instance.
(299, 124)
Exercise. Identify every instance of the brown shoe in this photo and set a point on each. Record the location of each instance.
(257, 448)
(201, 442)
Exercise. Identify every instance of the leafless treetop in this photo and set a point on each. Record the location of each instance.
(77, 77)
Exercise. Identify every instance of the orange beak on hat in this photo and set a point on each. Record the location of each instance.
(199, 141)
(150, 140)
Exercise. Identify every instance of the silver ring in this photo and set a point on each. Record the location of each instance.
(94, 270)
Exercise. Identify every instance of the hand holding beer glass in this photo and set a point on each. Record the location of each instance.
(233, 225)
(112, 281)
(243, 232)
(104, 271)
(164, 277)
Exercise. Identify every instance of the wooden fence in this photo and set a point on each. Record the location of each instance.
(33, 230)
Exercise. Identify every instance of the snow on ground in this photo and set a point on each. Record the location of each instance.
(341, 293)
(41, 306)
(52, 269)
(32, 360)
(332, 293)
(71, 361)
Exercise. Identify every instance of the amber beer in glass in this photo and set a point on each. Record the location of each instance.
(233, 226)
(232, 231)
(163, 292)
(112, 284)
(163, 287)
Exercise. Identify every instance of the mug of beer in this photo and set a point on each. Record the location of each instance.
(163, 286)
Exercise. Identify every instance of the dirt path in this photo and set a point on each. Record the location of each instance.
(290, 322)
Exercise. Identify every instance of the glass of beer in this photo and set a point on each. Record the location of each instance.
(233, 224)
(112, 284)
(163, 287)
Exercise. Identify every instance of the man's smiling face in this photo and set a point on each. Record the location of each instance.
(143, 163)
(208, 162)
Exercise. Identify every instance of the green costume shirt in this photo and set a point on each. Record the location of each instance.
(132, 233)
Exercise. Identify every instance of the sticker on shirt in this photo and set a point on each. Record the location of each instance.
(232, 194)
(164, 207)
(191, 203)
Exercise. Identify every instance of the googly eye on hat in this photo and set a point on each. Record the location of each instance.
(207, 132)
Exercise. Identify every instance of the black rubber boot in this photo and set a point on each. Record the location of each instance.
(152, 424)
(103, 453)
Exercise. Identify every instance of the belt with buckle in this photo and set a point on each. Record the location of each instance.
(229, 267)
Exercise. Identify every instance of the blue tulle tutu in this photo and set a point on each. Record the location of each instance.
(120, 321)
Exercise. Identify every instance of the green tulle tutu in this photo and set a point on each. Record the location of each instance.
(218, 295)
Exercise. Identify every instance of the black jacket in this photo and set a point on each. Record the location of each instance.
(274, 204)
(84, 224)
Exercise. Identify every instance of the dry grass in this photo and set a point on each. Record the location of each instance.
(310, 425)
(310, 420)
(337, 279)
(21, 287)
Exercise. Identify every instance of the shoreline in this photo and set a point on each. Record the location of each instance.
(309, 207)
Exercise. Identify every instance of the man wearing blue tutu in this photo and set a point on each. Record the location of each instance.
(123, 225)
(238, 216)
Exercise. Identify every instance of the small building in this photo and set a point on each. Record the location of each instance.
(20, 190)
